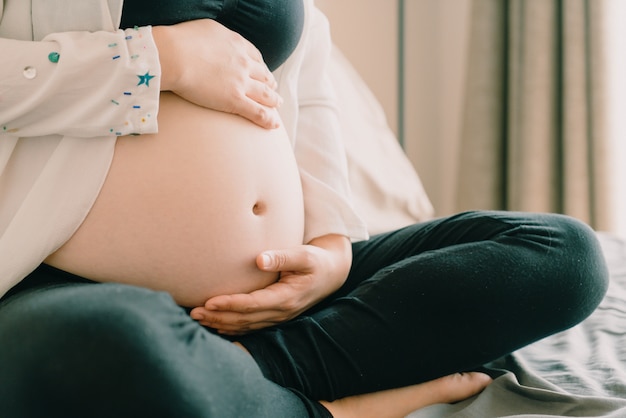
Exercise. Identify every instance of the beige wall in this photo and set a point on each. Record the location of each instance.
(435, 41)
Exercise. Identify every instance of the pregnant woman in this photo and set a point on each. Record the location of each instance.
(249, 225)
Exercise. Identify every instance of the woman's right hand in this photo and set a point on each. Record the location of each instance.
(210, 65)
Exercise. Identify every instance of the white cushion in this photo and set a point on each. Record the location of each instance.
(387, 191)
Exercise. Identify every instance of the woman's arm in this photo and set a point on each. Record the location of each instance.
(80, 84)
(92, 84)
(319, 145)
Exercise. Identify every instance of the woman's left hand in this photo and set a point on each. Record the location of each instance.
(308, 274)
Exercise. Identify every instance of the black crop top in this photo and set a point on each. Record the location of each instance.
(273, 26)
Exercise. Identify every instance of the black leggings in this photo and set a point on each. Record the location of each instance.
(425, 301)
(438, 298)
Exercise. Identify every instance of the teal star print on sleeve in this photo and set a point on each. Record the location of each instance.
(145, 79)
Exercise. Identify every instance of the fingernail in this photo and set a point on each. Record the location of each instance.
(197, 316)
(267, 260)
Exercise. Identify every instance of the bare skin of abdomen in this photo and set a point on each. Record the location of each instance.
(189, 209)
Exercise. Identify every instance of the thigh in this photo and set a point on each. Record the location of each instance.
(464, 228)
(104, 350)
(469, 238)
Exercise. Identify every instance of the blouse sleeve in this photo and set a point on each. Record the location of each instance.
(82, 84)
(319, 147)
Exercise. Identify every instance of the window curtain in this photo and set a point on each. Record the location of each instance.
(533, 119)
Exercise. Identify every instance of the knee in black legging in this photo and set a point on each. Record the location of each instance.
(546, 270)
(578, 263)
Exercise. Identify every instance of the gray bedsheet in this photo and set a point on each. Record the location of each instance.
(580, 372)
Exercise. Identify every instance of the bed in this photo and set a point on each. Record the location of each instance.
(580, 372)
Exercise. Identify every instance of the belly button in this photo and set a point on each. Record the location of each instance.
(258, 208)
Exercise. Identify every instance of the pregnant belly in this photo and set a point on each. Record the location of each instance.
(188, 210)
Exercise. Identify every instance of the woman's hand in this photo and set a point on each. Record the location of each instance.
(214, 67)
(308, 274)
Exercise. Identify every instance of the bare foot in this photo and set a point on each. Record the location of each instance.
(397, 403)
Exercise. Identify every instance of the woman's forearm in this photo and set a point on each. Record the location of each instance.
(84, 84)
